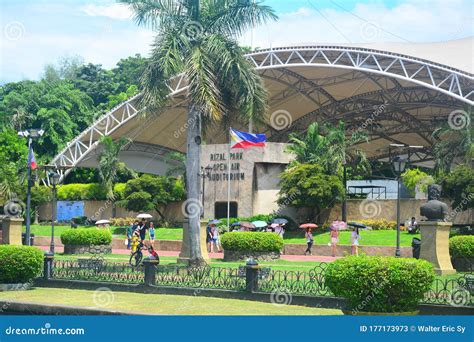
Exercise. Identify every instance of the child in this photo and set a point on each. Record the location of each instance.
(355, 241)
(151, 232)
(334, 240)
(135, 242)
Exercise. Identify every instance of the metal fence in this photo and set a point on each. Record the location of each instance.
(456, 291)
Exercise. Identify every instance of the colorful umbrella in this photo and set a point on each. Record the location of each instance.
(245, 224)
(336, 225)
(280, 221)
(308, 225)
(259, 224)
(145, 216)
(356, 224)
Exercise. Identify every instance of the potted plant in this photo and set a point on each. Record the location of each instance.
(380, 285)
(19, 265)
(86, 240)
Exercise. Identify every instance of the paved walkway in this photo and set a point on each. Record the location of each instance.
(317, 258)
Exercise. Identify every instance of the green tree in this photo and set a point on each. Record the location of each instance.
(149, 192)
(415, 177)
(128, 71)
(109, 162)
(458, 186)
(199, 38)
(13, 162)
(308, 186)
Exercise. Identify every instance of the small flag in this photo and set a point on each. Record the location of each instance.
(32, 160)
(245, 140)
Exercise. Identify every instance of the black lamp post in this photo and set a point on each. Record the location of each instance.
(31, 134)
(205, 172)
(399, 164)
(54, 181)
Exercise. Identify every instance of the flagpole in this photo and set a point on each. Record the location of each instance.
(228, 184)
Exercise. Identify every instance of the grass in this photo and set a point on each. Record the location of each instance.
(159, 304)
(367, 238)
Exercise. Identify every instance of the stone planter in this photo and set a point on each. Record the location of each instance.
(15, 287)
(244, 255)
(92, 249)
(463, 264)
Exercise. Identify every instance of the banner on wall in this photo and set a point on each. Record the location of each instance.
(66, 210)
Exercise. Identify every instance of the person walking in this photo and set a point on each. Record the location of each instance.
(355, 236)
(208, 238)
(309, 241)
(334, 240)
(215, 239)
(151, 232)
(142, 228)
(129, 233)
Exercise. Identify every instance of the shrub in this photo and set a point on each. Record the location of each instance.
(86, 237)
(78, 192)
(122, 221)
(252, 242)
(19, 264)
(380, 284)
(379, 224)
(462, 246)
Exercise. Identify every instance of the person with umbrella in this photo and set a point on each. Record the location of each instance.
(355, 236)
(334, 234)
(309, 236)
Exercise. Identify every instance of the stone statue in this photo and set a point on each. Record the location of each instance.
(434, 210)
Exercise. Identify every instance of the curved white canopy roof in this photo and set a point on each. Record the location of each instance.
(398, 97)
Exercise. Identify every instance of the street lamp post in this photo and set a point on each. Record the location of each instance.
(31, 134)
(344, 203)
(399, 164)
(54, 181)
(205, 172)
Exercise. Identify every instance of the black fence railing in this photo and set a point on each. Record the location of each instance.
(455, 291)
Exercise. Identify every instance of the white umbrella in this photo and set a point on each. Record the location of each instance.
(145, 216)
(102, 222)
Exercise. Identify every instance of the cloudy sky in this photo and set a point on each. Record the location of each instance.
(37, 32)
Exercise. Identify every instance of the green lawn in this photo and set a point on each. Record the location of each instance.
(368, 237)
(159, 304)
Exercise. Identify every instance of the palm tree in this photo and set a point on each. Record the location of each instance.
(109, 163)
(198, 38)
(329, 147)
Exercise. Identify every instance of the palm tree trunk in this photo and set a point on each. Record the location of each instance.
(193, 167)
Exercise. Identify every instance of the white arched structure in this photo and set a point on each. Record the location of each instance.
(402, 97)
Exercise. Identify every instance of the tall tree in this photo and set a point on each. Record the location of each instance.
(109, 163)
(199, 38)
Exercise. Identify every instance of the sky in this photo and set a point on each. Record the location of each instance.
(38, 32)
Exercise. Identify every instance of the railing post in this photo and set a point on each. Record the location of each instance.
(251, 275)
(48, 266)
(150, 271)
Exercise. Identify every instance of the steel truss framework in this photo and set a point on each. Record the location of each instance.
(432, 85)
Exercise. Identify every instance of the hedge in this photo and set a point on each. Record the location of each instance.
(380, 284)
(379, 224)
(462, 246)
(86, 237)
(252, 242)
(19, 264)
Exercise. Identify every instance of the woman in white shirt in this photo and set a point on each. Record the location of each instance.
(355, 241)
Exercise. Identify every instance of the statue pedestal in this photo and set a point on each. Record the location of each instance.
(185, 253)
(435, 245)
(11, 230)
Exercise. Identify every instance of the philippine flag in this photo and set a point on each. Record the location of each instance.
(245, 140)
(32, 160)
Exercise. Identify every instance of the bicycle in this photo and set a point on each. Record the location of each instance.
(137, 256)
